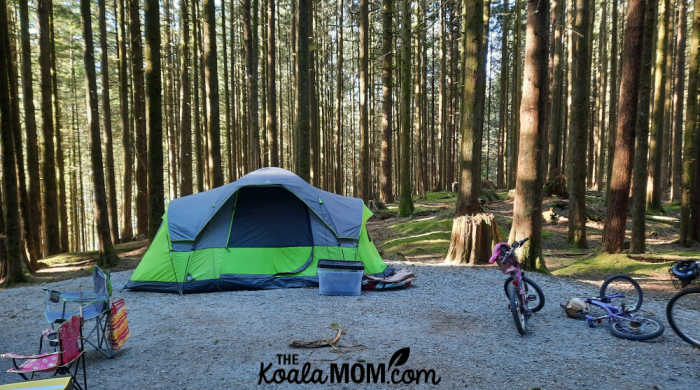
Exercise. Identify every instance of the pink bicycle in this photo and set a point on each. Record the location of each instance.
(524, 295)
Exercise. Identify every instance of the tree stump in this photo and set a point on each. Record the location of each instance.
(472, 239)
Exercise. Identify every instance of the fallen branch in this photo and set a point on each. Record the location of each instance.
(318, 343)
(662, 219)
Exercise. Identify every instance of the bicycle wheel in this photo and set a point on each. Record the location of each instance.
(623, 284)
(531, 290)
(517, 309)
(683, 315)
(637, 328)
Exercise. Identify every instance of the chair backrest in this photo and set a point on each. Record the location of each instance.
(69, 338)
(102, 283)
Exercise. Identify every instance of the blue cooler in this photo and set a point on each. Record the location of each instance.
(340, 277)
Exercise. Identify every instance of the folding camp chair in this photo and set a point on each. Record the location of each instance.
(95, 305)
(65, 361)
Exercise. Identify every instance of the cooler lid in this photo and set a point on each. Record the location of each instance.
(341, 264)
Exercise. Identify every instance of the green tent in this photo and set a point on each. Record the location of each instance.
(266, 230)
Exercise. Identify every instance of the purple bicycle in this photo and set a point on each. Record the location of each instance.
(524, 295)
(620, 299)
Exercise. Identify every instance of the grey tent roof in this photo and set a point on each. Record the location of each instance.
(189, 215)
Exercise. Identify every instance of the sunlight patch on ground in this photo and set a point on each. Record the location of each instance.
(605, 264)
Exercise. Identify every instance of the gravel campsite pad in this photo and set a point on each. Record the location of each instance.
(454, 320)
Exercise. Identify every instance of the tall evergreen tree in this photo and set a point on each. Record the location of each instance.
(406, 202)
(303, 123)
(641, 139)
(614, 232)
(527, 206)
(127, 137)
(690, 198)
(106, 251)
(250, 36)
(271, 85)
(48, 166)
(185, 106)
(656, 131)
(107, 125)
(385, 179)
(139, 105)
(364, 174)
(577, 164)
(678, 93)
(33, 217)
(154, 117)
(216, 176)
(11, 253)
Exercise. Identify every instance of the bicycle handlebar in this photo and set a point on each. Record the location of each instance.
(520, 243)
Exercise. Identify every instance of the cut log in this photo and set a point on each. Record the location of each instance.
(472, 238)
(663, 219)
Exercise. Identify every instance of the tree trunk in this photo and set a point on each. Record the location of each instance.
(527, 206)
(603, 58)
(406, 202)
(612, 108)
(385, 179)
(503, 113)
(579, 125)
(106, 251)
(364, 174)
(33, 217)
(678, 93)
(641, 142)
(271, 85)
(515, 98)
(107, 124)
(139, 119)
(48, 167)
(127, 231)
(472, 238)
(251, 44)
(226, 167)
(304, 17)
(314, 108)
(154, 117)
(185, 106)
(614, 232)
(339, 179)
(60, 167)
(199, 162)
(690, 198)
(656, 131)
(557, 83)
(473, 66)
(216, 177)
(25, 234)
(10, 243)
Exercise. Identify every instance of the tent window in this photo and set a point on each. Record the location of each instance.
(269, 217)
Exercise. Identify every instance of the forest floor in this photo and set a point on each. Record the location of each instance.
(424, 238)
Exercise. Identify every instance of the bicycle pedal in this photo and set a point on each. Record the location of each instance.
(531, 298)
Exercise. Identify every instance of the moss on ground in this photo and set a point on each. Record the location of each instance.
(604, 264)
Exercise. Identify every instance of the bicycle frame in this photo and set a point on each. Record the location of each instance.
(613, 313)
(516, 273)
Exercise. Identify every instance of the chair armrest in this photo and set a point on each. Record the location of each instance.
(16, 356)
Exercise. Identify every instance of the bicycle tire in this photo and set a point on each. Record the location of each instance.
(517, 310)
(632, 282)
(672, 320)
(528, 283)
(620, 329)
